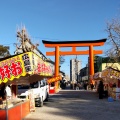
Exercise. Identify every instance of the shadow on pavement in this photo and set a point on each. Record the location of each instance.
(77, 105)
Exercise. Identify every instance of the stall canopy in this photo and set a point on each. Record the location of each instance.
(107, 73)
(97, 76)
(24, 68)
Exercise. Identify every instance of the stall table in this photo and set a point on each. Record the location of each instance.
(16, 112)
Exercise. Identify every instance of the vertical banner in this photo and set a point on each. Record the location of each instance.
(32, 101)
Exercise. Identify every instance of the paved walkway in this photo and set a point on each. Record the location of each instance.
(76, 105)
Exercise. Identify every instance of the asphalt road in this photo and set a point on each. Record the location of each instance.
(76, 105)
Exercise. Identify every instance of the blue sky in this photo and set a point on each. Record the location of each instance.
(57, 20)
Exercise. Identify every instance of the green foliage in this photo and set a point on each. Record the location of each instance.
(4, 51)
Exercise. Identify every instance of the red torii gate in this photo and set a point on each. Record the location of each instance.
(74, 44)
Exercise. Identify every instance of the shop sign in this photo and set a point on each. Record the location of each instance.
(54, 79)
(20, 65)
(11, 68)
(39, 66)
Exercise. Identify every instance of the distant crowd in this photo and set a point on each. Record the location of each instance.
(77, 86)
(100, 88)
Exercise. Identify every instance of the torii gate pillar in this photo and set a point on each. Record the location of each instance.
(91, 56)
(56, 60)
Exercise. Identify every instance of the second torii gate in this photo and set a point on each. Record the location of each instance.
(89, 43)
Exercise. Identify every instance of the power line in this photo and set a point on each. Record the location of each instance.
(46, 38)
(7, 44)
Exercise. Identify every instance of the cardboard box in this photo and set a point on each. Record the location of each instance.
(116, 89)
(117, 96)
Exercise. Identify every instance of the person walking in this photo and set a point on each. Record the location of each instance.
(85, 85)
(100, 90)
(92, 86)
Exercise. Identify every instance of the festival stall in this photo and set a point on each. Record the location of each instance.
(16, 70)
(111, 81)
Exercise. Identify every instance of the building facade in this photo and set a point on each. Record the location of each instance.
(84, 74)
(75, 66)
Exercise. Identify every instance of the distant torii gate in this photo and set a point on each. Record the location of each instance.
(74, 44)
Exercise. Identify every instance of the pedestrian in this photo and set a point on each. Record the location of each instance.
(100, 89)
(1, 102)
(8, 92)
(2, 91)
(92, 86)
(85, 85)
(77, 86)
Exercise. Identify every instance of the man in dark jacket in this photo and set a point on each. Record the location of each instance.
(100, 90)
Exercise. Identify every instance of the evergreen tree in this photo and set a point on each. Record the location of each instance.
(4, 51)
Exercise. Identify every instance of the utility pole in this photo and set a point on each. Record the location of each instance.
(76, 68)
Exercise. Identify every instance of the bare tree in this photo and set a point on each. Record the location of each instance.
(25, 43)
(113, 30)
(62, 60)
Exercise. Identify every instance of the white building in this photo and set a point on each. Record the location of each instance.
(75, 66)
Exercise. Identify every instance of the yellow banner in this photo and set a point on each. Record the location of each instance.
(20, 65)
(12, 68)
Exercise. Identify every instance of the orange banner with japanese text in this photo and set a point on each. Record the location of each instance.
(54, 79)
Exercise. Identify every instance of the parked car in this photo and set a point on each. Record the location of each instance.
(40, 91)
